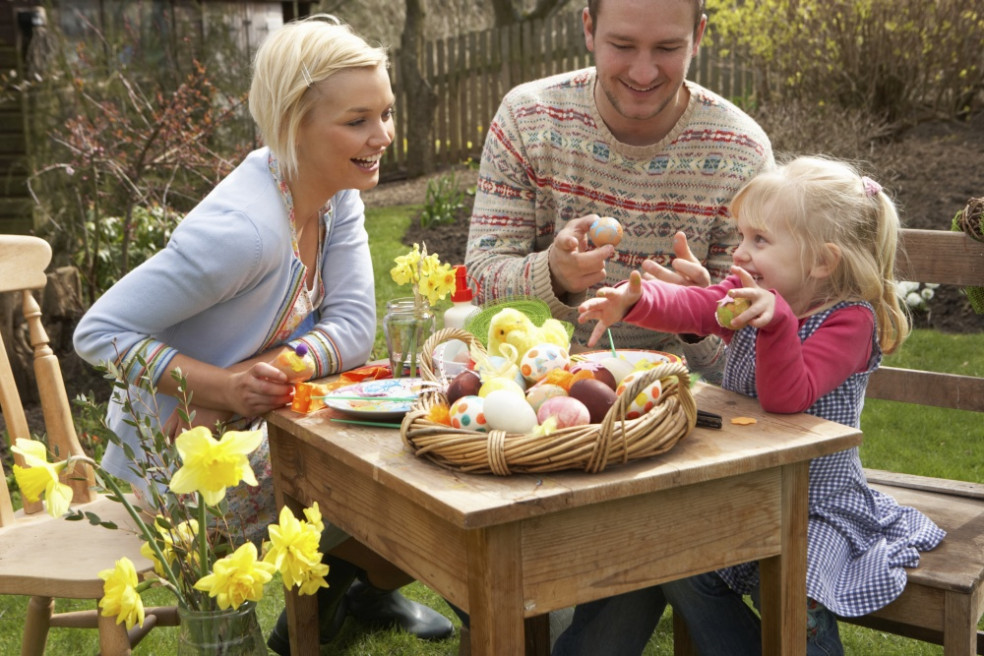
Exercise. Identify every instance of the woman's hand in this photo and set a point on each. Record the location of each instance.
(574, 268)
(763, 302)
(686, 268)
(258, 390)
(609, 305)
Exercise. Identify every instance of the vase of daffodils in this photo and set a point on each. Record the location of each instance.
(216, 579)
(409, 321)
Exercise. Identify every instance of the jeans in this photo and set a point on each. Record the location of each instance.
(719, 621)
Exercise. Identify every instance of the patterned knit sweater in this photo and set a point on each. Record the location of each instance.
(549, 158)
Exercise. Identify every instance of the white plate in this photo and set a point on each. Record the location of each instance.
(636, 357)
(384, 400)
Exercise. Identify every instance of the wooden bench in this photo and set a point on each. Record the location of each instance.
(944, 598)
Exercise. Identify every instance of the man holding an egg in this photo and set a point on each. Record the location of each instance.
(628, 143)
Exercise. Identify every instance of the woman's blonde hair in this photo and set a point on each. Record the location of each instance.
(291, 61)
(824, 201)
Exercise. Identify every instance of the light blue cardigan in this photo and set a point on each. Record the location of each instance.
(224, 285)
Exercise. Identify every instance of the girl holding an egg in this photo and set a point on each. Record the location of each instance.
(815, 263)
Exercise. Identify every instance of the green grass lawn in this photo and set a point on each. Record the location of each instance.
(932, 448)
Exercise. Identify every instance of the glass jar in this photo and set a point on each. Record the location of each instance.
(230, 632)
(407, 325)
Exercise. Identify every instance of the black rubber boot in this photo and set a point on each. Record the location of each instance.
(332, 607)
(376, 607)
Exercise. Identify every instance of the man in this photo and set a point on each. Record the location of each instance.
(628, 138)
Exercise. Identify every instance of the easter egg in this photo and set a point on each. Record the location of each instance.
(498, 366)
(598, 371)
(468, 412)
(536, 395)
(595, 395)
(728, 308)
(566, 410)
(467, 383)
(605, 230)
(541, 359)
(644, 400)
(618, 367)
(506, 411)
(493, 384)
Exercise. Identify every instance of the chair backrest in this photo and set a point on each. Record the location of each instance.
(949, 258)
(23, 261)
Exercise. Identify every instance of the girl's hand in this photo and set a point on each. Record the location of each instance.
(609, 305)
(763, 302)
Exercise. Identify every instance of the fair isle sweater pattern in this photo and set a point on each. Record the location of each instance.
(550, 158)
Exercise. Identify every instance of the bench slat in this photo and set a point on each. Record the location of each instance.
(927, 388)
(949, 258)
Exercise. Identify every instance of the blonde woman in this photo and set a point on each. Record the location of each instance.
(277, 255)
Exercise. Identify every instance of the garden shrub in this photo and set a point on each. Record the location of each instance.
(899, 58)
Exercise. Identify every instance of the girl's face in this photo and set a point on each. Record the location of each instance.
(342, 138)
(770, 252)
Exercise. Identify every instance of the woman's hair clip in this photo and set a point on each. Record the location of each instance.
(871, 188)
(306, 74)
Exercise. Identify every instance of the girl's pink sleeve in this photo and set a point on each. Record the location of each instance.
(791, 375)
(671, 308)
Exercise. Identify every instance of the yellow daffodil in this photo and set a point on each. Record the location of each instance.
(425, 273)
(209, 466)
(41, 477)
(294, 550)
(120, 596)
(237, 578)
(182, 535)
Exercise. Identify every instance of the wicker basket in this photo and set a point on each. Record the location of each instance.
(591, 448)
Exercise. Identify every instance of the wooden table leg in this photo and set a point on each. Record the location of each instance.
(302, 610)
(783, 577)
(495, 591)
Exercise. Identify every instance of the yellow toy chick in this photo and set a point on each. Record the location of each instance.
(512, 334)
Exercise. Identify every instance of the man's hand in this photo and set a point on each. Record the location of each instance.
(687, 269)
(609, 305)
(574, 268)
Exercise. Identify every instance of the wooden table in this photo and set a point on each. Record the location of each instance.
(510, 548)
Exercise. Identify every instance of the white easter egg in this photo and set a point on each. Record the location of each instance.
(506, 411)
(541, 359)
(620, 367)
(468, 412)
(644, 400)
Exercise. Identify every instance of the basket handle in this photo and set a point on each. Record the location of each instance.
(426, 363)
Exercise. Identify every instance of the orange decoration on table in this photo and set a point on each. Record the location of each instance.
(743, 421)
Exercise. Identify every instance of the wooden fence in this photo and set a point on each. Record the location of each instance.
(470, 73)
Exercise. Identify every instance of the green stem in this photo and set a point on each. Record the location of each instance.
(202, 536)
(148, 535)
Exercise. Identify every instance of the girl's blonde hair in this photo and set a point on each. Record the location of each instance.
(286, 67)
(824, 201)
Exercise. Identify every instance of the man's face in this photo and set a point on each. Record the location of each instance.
(642, 50)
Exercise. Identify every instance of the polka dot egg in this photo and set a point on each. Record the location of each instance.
(468, 413)
(605, 230)
(542, 359)
(644, 399)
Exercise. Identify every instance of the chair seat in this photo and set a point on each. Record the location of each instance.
(958, 562)
(33, 552)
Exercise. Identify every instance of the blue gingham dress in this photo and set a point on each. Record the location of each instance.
(859, 541)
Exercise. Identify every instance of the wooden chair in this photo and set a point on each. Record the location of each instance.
(943, 600)
(42, 557)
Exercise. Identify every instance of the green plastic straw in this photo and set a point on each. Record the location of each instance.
(366, 423)
(611, 342)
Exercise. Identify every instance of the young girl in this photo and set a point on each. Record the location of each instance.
(815, 260)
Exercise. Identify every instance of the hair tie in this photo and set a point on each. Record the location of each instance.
(306, 74)
(871, 188)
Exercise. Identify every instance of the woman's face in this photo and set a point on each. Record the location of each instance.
(348, 128)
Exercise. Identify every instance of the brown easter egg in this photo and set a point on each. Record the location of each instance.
(467, 383)
(597, 370)
(595, 395)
